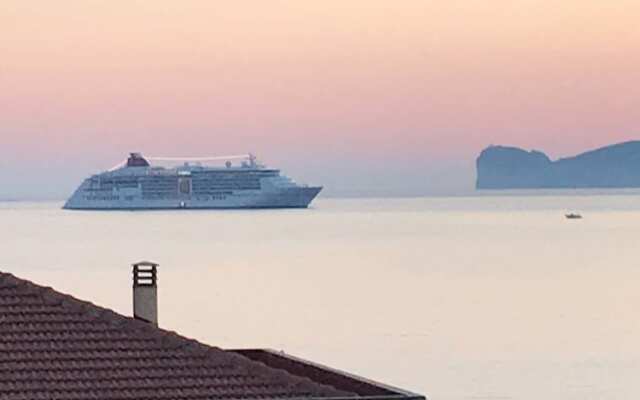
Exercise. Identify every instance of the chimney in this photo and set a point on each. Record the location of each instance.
(145, 292)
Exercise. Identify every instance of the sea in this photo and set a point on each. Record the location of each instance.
(482, 297)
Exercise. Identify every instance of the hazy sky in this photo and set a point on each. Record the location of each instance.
(371, 97)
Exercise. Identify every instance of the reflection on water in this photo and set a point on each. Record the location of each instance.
(458, 298)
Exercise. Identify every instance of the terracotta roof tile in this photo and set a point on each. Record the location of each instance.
(55, 347)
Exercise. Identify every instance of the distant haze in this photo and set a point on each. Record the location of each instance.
(379, 98)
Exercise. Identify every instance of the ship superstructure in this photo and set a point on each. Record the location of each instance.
(192, 184)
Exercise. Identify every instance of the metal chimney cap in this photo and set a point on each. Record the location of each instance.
(145, 273)
(146, 264)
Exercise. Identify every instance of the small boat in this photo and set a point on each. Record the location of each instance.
(573, 216)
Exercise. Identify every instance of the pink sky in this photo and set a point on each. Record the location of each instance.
(332, 91)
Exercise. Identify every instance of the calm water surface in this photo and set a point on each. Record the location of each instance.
(457, 298)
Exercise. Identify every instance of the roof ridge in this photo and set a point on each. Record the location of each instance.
(167, 337)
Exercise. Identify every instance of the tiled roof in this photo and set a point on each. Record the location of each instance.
(328, 376)
(55, 347)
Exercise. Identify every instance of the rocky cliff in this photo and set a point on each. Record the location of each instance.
(616, 166)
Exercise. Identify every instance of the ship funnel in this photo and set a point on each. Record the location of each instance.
(145, 292)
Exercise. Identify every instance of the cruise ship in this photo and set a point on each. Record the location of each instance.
(140, 184)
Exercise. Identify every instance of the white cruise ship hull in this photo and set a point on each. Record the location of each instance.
(137, 185)
(299, 197)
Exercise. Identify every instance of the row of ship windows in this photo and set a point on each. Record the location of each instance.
(151, 197)
(225, 178)
(174, 187)
(175, 178)
(199, 175)
(175, 197)
(105, 198)
(192, 183)
(253, 183)
(209, 192)
(227, 184)
(163, 193)
(152, 187)
(103, 193)
(109, 187)
(232, 174)
(223, 187)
